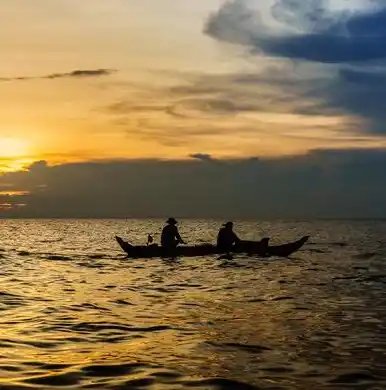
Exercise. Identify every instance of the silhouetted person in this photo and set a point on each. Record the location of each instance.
(170, 236)
(227, 238)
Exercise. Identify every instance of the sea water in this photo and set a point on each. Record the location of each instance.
(77, 314)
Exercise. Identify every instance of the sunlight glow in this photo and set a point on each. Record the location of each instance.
(13, 147)
(14, 164)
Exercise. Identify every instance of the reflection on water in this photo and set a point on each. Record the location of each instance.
(76, 314)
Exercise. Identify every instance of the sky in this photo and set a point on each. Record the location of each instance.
(228, 109)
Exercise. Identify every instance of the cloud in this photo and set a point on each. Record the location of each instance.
(345, 48)
(279, 109)
(324, 36)
(312, 15)
(73, 74)
(271, 90)
(202, 156)
(82, 73)
(340, 38)
(208, 105)
(362, 77)
(212, 96)
(324, 183)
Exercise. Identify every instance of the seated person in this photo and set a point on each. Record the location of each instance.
(170, 237)
(227, 238)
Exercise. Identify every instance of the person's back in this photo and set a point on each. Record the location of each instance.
(170, 236)
(226, 238)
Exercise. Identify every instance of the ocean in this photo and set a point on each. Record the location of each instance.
(77, 314)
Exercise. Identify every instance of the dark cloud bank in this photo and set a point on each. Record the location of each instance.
(325, 183)
(349, 47)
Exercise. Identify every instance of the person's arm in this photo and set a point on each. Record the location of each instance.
(236, 239)
(179, 237)
(219, 238)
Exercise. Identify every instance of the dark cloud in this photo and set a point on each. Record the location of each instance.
(202, 156)
(348, 48)
(324, 183)
(326, 38)
(358, 93)
(235, 23)
(82, 73)
(340, 38)
(310, 15)
(72, 74)
(327, 48)
(362, 77)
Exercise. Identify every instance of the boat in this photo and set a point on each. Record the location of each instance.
(250, 248)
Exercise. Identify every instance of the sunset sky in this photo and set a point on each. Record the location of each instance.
(112, 83)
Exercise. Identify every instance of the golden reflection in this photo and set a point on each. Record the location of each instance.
(11, 206)
(13, 193)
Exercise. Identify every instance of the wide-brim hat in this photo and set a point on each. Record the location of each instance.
(171, 221)
(228, 224)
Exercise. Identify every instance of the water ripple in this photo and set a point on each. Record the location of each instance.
(76, 314)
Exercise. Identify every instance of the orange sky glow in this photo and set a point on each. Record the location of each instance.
(133, 80)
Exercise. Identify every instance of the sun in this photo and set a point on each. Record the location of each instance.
(13, 148)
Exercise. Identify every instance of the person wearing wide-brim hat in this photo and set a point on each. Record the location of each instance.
(227, 238)
(170, 237)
